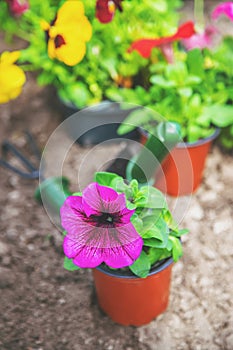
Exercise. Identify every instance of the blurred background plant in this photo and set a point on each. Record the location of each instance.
(106, 66)
(195, 88)
(137, 52)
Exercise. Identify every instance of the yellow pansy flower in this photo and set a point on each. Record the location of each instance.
(12, 77)
(68, 34)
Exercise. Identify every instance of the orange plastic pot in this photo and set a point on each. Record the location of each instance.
(182, 170)
(129, 300)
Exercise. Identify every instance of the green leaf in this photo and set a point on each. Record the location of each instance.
(106, 178)
(153, 232)
(157, 235)
(119, 185)
(130, 205)
(154, 243)
(141, 267)
(44, 79)
(151, 198)
(135, 119)
(185, 92)
(193, 80)
(221, 116)
(179, 233)
(78, 194)
(195, 62)
(149, 220)
(156, 254)
(69, 265)
(161, 82)
(176, 248)
(134, 187)
(177, 73)
(137, 222)
(78, 93)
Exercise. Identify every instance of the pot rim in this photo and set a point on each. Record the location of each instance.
(192, 144)
(200, 141)
(158, 267)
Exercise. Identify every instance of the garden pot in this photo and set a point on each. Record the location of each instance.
(130, 300)
(97, 123)
(181, 171)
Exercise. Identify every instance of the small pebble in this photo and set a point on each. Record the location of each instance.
(7, 278)
(4, 249)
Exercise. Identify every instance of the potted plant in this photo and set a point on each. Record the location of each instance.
(192, 87)
(87, 69)
(127, 236)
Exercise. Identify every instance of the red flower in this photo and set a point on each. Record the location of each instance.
(17, 7)
(105, 9)
(145, 46)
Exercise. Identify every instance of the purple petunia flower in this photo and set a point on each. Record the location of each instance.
(99, 229)
(225, 8)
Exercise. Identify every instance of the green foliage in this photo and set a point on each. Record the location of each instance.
(105, 178)
(69, 265)
(141, 267)
(152, 220)
(106, 61)
(182, 92)
(196, 92)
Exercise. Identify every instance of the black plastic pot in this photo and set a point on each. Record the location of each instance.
(97, 123)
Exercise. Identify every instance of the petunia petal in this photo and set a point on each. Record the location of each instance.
(72, 214)
(123, 256)
(97, 198)
(125, 215)
(225, 8)
(102, 247)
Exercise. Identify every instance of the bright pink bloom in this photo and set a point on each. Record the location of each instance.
(145, 46)
(99, 229)
(17, 7)
(225, 8)
(201, 40)
(105, 9)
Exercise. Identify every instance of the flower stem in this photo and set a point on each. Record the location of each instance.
(199, 14)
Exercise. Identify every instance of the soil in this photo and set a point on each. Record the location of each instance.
(44, 307)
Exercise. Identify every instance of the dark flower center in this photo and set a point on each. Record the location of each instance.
(105, 220)
(59, 41)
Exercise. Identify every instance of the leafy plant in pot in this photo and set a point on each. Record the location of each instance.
(127, 236)
(193, 89)
(81, 48)
(122, 230)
